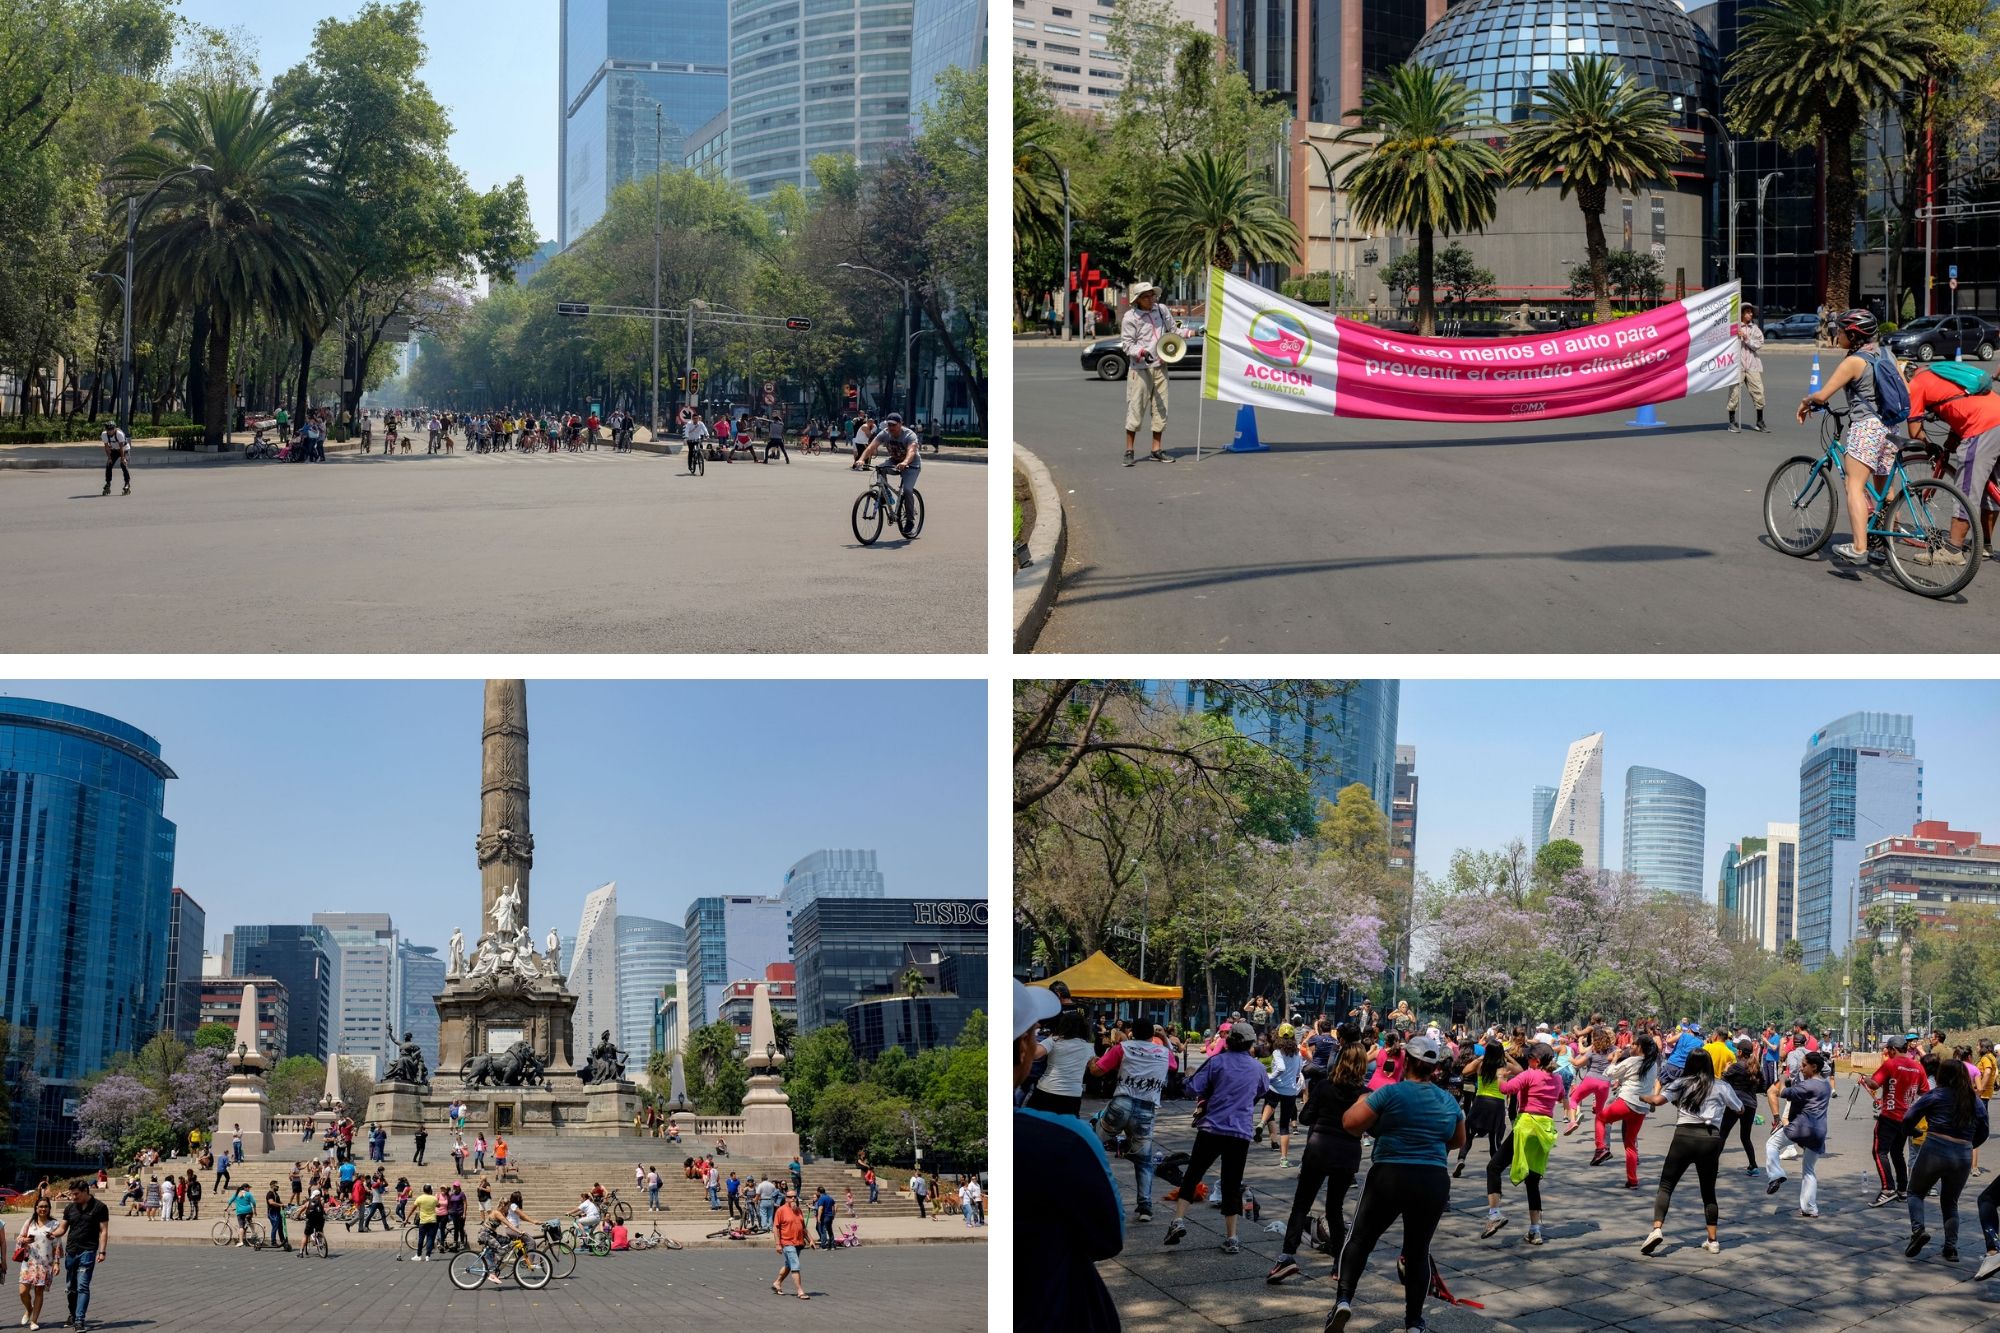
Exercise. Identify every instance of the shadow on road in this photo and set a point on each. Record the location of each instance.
(1473, 442)
(1084, 585)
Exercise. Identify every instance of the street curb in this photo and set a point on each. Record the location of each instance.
(1035, 582)
(352, 1244)
(156, 459)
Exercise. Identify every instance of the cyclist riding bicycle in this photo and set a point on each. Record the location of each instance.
(903, 451)
(499, 1227)
(1973, 415)
(587, 1214)
(1870, 443)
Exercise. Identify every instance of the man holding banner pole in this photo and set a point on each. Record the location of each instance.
(1139, 334)
(1749, 343)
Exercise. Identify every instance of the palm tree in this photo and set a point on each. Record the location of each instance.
(1807, 68)
(1417, 167)
(1594, 130)
(1209, 211)
(251, 235)
(1038, 197)
(914, 983)
(1903, 919)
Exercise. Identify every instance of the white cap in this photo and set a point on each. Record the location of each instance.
(1032, 1004)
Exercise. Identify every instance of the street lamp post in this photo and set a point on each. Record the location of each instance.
(1846, 1027)
(134, 210)
(1332, 202)
(909, 384)
(1063, 173)
(1762, 185)
(659, 112)
(1729, 148)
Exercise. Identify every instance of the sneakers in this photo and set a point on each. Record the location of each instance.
(1144, 1213)
(1175, 1230)
(1494, 1221)
(1284, 1268)
(1733, 427)
(1257, 1136)
(1458, 1170)
(1804, 1213)
(1572, 1127)
(1790, 1153)
(1600, 1157)
(1129, 460)
(1654, 1239)
(1949, 1254)
(1753, 1170)
(1988, 1266)
(1342, 1312)
(1777, 1183)
(1938, 555)
(1882, 1198)
(1284, 1162)
(1535, 1235)
(1847, 552)
(1918, 1239)
(1712, 1246)
(1230, 1245)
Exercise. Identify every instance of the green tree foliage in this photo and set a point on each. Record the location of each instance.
(295, 1084)
(1593, 129)
(1418, 165)
(1353, 828)
(1635, 278)
(1557, 858)
(215, 1036)
(1454, 273)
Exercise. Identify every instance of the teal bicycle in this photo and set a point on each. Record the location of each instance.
(1909, 524)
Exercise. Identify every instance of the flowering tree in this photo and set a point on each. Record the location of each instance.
(194, 1095)
(110, 1112)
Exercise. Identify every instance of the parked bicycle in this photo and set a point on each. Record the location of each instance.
(1909, 522)
(880, 502)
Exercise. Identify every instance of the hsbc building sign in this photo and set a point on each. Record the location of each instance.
(950, 913)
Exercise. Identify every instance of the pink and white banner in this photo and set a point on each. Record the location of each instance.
(1271, 351)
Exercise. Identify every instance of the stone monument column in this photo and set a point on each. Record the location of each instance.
(245, 1107)
(505, 845)
(767, 1111)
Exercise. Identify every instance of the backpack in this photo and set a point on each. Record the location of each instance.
(1892, 395)
(1966, 377)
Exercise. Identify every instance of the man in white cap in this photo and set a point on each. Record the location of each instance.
(1068, 1197)
(1139, 334)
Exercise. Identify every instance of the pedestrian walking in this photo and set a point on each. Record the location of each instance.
(1228, 1086)
(918, 1189)
(1956, 1122)
(36, 1246)
(790, 1227)
(423, 1137)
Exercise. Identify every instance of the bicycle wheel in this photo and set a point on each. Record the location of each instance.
(467, 1270)
(910, 518)
(222, 1233)
(410, 1235)
(316, 1245)
(532, 1269)
(562, 1258)
(670, 1243)
(599, 1243)
(868, 518)
(621, 1211)
(1918, 537)
(1799, 506)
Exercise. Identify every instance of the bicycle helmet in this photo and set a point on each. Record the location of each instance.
(1860, 323)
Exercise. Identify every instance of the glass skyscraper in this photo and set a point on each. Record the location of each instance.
(1859, 782)
(649, 953)
(1666, 826)
(1351, 738)
(730, 939)
(944, 34)
(87, 877)
(305, 960)
(852, 949)
(423, 981)
(1544, 799)
(619, 58)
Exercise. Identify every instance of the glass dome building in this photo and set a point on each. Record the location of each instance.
(1506, 49)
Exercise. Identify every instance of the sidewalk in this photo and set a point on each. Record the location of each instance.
(149, 453)
(947, 1230)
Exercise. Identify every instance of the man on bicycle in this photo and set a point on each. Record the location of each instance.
(587, 1215)
(1974, 418)
(904, 452)
(1870, 443)
(315, 1216)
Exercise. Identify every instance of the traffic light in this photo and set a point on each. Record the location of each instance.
(571, 308)
(684, 384)
(799, 324)
(694, 379)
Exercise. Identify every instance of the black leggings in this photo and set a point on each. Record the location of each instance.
(1744, 1122)
(1208, 1150)
(1891, 1162)
(1696, 1145)
(1487, 1120)
(1498, 1163)
(1417, 1194)
(1283, 1104)
(116, 461)
(1324, 1163)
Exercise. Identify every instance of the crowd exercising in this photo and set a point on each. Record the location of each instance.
(1423, 1100)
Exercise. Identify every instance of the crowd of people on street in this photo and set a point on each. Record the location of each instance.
(1418, 1097)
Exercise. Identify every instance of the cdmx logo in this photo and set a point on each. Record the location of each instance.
(1277, 336)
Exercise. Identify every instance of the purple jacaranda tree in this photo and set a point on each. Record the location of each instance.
(110, 1111)
(194, 1095)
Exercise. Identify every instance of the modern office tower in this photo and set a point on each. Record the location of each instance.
(830, 873)
(833, 79)
(1859, 782)
(1067, 43)
(220, 1000)
(368, 985)
(591, 967)
(852, 948)
(1544, 799)
(944, 34)
(525, 271)
(86, 876)
(1666, 829)
(1939, 870)
(1403, 847)
(739, 999)
(619, 59)
(1346, 739)
(180, 997)
(423, 981)
(729, 938)
(1764, 877)
(304, 959)
(919, 1022)
(651, 954)
(1577, 813)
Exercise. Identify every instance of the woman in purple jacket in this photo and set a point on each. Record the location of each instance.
(1226, 1088)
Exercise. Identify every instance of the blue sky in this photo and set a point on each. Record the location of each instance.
(1483, 745)
(364, 796)
(492, 67)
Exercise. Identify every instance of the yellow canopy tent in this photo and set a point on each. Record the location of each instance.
(1098, 978)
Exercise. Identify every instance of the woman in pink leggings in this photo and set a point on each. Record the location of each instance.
(1592, 1064)
(1631, 1079)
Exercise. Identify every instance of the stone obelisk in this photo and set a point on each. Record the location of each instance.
(505, 845)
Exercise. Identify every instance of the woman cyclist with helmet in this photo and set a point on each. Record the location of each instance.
(1870, 443)
(1415, 1124)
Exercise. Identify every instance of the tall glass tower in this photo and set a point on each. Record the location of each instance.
(1859, 782)
(1351, 738)
(1544, 799)
(650, 952)
(1666, 824)
(945, 34)
(87, 876)
(618, 59)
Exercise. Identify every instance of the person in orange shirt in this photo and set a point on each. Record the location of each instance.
(1974, 419)
(790, 1229)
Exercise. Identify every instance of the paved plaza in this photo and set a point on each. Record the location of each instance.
(1776, 1270)
(200, 1289)
(1380, 536)
(572, 553)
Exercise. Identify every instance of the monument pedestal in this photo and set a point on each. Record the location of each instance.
(398, 1107)
(610, 1108)
(246, 1111)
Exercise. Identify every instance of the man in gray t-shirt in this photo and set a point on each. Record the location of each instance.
(900, 448)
